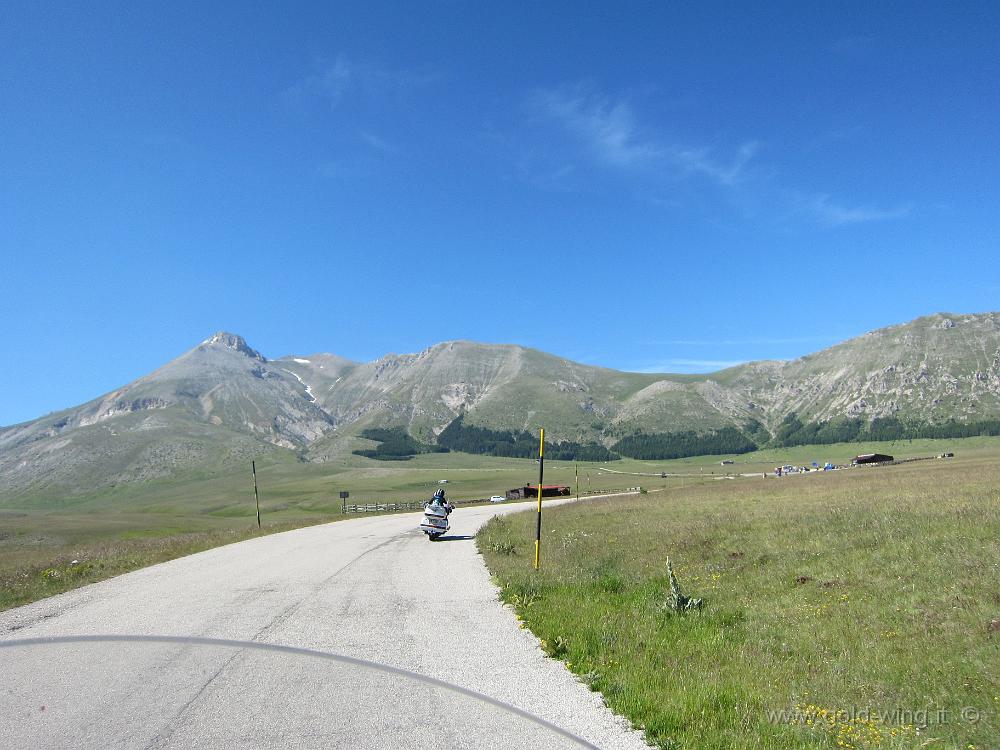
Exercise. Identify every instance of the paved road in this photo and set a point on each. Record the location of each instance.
(360, 588)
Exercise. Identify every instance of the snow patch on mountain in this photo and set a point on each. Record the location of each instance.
(309, 393)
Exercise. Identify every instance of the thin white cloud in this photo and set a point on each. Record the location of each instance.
(833, 214)
(748, 341)
(330, 84)
(689, 365)
(700, 161)
(609, 130)
(336, 80)
(376, 142)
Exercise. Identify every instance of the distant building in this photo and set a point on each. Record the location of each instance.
(529, 491)
(872, 458)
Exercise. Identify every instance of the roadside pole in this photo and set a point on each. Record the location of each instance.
(256, 497)
(578, 481)
(541, 474)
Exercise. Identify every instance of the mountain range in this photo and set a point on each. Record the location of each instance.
(223, 401)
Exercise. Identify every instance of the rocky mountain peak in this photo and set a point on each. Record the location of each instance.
(935, 370)
(234, 342)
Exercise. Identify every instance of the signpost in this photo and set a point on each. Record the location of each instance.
(343, 501)
(541, 474)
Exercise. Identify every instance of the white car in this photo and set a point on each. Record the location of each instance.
(497, 499)
(442, 481)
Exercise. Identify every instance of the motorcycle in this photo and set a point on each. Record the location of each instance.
(435, 523)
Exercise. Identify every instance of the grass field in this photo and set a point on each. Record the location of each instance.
(133, 525)
(851, 609)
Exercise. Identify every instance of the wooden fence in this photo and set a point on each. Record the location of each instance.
(377, 507)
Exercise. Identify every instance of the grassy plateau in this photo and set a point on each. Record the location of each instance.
(850, 609)
(134, 525)
(857, 608)
(137, 524)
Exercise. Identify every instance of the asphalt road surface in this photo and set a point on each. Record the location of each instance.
(148, 659)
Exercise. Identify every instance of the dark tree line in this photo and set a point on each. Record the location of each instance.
(395, 444)
(793, 431)
(459, 436)
(664, 445)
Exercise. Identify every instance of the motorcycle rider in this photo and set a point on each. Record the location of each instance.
(438, 499)
(436, 512)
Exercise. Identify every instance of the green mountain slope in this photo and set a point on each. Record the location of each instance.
(932, 369)
(223, 401)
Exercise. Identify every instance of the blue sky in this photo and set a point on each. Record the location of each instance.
(645, 186)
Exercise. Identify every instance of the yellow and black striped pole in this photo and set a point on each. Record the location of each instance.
(256, 497)
(541, 474)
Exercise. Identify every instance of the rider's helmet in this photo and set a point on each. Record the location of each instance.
(439, 495)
